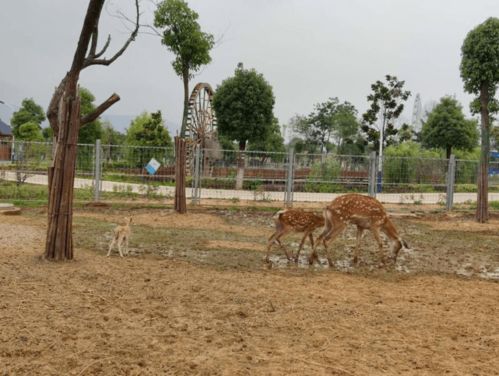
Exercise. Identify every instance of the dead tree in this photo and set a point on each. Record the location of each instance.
(65, 120)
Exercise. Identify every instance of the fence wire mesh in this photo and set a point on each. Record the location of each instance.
(237, 176)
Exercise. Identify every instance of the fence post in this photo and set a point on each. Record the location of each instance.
(180, 157)
(373, 170)
(97, 171)
(451, 179)
(288, 195)
(196, 189)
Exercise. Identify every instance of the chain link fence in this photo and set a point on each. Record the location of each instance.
(119, 171)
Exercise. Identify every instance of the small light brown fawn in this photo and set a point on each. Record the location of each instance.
(121, 234)
(366, 213)
(294, 220)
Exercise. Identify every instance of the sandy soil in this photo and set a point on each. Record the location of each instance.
(154, 315)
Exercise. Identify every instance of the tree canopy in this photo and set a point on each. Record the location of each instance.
(30, 131)
(244, 106)
(447, 128)
(30, 112)
(387, 103)
(182, 35)
(274, 142)
(148, 129)
(331, 124)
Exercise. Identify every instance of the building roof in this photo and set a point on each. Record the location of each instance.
(5, 129)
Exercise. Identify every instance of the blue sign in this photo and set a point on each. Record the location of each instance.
(152, 166)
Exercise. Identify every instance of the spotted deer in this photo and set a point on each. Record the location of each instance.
(294, 220)
(121, 235)
(366, 213)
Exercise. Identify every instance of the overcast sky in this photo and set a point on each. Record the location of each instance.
(308, 50)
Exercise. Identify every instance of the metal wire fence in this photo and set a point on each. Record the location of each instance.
(110, 171)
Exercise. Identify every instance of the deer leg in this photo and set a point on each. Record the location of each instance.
(111, 245)
(269, 245)
(301, 246)
(284, 232)
(120, 241)
(330, 237)
(360, 230)
(126, 246)
(391, 232)
(322, 237)
(375, 232)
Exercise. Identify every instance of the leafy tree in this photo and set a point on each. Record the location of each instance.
(148, 130)
(30, 131)
(244, 106)
(182, 35)
(406, 133)
(330, 121)
(110, 136)
(480, 74)
(387, 103)
(30, 112)
(300, 124)
(91, 131)
(273, 142)
(447, 128)
(494, 136)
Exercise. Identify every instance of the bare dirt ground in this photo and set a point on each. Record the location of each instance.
(194, 298)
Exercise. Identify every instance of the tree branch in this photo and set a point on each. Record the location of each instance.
(99, 110)
(93, 60)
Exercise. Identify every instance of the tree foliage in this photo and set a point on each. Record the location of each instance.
(386, 105)
(30, 112)
(182, 35)
(30, 131)
(274, 142)
(111, 136)
(148, 129)
(244, 106)
(447, 128)
(92, 131)
(331, 124)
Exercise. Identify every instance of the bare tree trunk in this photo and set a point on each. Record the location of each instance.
(59, 242)
(482, 210)
(185, 78)
(65, 120)
(180, 158)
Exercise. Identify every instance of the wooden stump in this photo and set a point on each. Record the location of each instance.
(180, 162)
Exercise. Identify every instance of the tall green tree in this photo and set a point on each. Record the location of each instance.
(182, 35)
(330, 123)
(447, 128)
(480, 74)
(244, 106)
(91, 131)
(386, 104)
(273, 142)
(148, 129)
(30, 112)
(30, 131)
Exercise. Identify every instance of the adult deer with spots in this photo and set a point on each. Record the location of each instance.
(294, 220)
(366, 213)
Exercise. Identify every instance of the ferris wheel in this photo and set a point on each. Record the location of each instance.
(201, 119)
